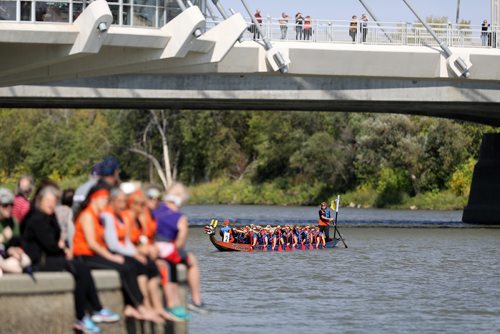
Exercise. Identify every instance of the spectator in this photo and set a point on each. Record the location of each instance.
(485, 41)
(307, 28)
(21, 201)
(299, 22)
(64, 215)
(255, 31)
(109, 172)
(284, 24)
(171, 238)
(364, 26)
(12, 258)
(82, 191)
(353, 28)
(153, 196)
(42, 242)
(117, 236)
(89, 246)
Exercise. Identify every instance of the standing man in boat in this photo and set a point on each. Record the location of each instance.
(324, 221)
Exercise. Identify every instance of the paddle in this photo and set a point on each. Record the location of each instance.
(336, 230)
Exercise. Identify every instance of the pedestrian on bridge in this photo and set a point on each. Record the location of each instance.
(255, 31)
(307, 28)
(485, 40)
(299, 23)
(284, 24)
(353, 28)
(364, 26)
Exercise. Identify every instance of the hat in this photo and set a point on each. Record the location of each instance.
(6, 196)
(153, 193)
(108, 166)
(96, 169)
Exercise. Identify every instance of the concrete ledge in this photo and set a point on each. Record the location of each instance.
(47, 305)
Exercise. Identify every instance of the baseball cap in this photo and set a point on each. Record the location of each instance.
(6, 196)
(108, 166)
(96, 169)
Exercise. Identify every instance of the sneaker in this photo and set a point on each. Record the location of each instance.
(105, 315)
(86, 325)
(178, 313)
(198, 308)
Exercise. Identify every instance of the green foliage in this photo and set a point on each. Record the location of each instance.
(392, 186)
(262, 157)
(462, 178)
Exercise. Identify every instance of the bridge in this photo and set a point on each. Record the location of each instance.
(112, 56)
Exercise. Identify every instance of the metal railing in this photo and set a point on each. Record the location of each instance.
(155, 13)
(381, 33)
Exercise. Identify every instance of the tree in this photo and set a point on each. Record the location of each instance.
(157, 123)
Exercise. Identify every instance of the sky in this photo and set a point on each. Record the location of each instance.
(386, 10)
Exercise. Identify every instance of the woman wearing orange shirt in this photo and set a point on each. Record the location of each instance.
(90, 247)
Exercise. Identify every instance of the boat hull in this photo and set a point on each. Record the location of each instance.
(233, 247)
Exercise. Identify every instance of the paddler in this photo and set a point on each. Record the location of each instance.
(324, 221)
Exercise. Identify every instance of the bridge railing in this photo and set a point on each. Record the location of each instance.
(377, 33)
(155, 13)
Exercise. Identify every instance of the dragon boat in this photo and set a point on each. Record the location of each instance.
(222, 246)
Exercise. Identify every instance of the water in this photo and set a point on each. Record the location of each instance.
(436, 276)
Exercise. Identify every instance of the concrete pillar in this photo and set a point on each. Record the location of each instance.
(497, 17)
(484, 198)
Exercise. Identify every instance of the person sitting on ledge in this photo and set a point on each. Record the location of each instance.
(171, 238)
(12, 258)
(41, 237)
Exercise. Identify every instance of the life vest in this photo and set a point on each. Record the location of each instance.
(80, 244)
(134, 229)
(150, 224)
(325, 213)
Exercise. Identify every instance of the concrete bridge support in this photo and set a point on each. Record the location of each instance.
(484, 199)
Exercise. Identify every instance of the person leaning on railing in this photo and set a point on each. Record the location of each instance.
(284, 24)
(299, 23)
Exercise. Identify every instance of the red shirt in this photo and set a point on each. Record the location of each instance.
(21, 207)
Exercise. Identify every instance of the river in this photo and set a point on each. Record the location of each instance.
(404, 272)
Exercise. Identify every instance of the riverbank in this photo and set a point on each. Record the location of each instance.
(243, 192)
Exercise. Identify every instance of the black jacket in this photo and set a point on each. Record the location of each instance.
(40, 238)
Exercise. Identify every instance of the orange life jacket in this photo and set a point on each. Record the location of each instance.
(133, 228)
(138, 228)
(151, 225)
(80, 244)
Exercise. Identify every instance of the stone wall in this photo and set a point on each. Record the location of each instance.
(46, 305)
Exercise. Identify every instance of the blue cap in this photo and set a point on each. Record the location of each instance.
(96, 169)
(108, 166)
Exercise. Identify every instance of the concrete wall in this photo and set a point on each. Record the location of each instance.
(46, 306)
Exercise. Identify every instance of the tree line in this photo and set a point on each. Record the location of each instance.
(274, 157)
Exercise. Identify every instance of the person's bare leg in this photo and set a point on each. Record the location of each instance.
(155, 295)
(193, 278)
(171, 291)
(143, 286)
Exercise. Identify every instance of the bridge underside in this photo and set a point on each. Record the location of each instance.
(469, 100)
